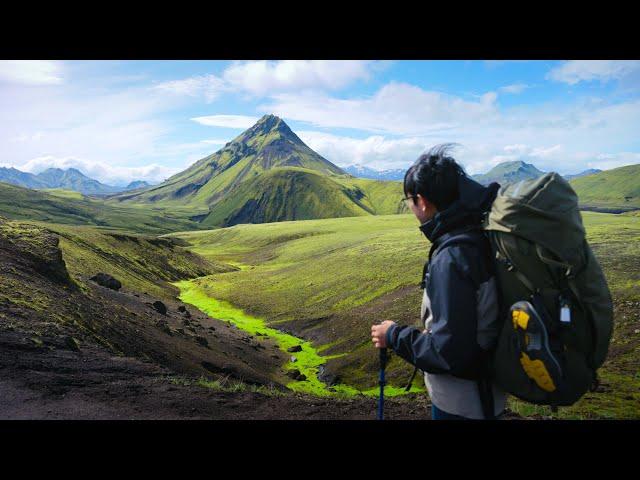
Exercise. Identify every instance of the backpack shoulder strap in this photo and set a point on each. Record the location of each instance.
(457, 237)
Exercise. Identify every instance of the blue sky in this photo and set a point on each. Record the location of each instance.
(123, 120)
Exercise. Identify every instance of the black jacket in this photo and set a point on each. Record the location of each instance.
(461, 311)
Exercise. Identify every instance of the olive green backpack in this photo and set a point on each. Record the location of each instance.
(556, 305)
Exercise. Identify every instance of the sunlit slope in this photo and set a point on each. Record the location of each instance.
(72, 208)
(328, 280)
(619, 187)
(292, 193)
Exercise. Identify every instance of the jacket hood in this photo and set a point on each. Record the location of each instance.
(474, 200)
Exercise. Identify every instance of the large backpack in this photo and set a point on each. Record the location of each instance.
(556, 305)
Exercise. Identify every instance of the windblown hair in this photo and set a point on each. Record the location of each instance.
(434, 175)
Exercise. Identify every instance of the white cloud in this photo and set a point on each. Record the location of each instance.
(397, 108)
(260, 78)
(208, 86)
(575, 71)
(376, 151)
(103, 172)
(114, 132)
(31, 72)
(485, 129)
(227, 121)
(514, 88)
(265, 77)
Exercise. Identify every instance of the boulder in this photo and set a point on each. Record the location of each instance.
(295, 348)
(106, 281)
(326, 377)
(160, 307)
(293, 359)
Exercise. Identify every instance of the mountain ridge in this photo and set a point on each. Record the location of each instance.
(70, 179)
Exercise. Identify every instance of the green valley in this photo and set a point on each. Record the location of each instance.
(328, 280)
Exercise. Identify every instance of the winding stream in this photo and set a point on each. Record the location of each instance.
(309, 361)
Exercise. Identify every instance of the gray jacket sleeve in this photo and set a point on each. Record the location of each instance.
(451, 346)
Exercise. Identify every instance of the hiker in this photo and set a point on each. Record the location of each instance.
(460, 307)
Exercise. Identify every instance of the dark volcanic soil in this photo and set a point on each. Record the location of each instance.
(50, 381)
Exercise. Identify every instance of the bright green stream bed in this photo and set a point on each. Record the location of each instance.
(308, 361)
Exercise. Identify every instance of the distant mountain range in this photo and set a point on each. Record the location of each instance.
(502, 173)
(509, 172)
(361, 171)
(268, 174)
(69, 179)
(584, 173)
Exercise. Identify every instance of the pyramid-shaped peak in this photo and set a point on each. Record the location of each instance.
(269, 126)
(271, 122)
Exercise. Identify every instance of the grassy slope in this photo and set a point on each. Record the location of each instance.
(142, 263)
(619, 187)
(63, 193)
(45, 294)
(300, 194)
(60, 207)
(328, 280)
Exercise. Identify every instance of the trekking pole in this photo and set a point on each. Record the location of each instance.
(383, 364)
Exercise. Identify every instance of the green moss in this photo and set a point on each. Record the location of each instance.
(308, 359)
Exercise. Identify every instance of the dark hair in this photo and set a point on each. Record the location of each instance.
(434, 175)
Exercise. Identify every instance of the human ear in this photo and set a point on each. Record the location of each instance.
(423, 204)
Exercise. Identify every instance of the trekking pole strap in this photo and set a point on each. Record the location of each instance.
(413, 375)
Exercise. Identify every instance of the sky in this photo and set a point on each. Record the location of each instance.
(119, 121)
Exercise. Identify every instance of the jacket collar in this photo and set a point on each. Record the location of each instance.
(474, 200)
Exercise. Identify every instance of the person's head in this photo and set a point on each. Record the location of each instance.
(431, 183)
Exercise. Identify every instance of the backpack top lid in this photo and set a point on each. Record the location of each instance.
(544, 211)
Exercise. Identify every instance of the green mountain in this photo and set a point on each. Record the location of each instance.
(73, 179)
(616, 188)
(268, 174)
(22, 179)
(62, 207)
(509, 172)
